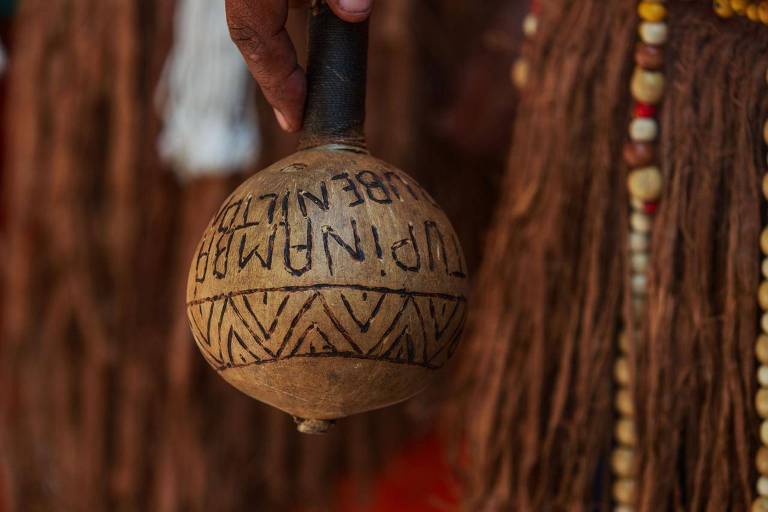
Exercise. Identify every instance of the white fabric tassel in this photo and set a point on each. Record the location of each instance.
(205, 97)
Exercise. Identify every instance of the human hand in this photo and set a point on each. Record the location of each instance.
(258, 29)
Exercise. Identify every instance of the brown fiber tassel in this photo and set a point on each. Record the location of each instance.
(539, 416)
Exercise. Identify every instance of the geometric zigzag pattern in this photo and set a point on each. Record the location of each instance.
(260, 326)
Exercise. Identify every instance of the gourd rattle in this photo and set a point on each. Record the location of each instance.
(330, 283)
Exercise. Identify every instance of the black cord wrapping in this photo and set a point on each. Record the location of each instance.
(336, 80)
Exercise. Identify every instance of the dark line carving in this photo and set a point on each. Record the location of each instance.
(356, 254)
(364, 326)
(400, 244)
(323, 203)
(322, 286)
(420, 340)
(306, 247)
(372, 183)
(256, 338)
(351, 187)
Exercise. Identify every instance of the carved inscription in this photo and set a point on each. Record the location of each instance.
(294, 231)
(310, 239)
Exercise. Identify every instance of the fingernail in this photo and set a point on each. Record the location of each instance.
(355, 6)
(282, 121)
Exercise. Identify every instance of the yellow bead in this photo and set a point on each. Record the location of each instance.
(621, 371)
(761, 349)
(624, 342)
(765, 186)
(752, 12)
(761, 460)
(760, 504)
(762, 12)
(739, 6)
(625, 432)
(647, 86)
(624, 491)
(652, 11)
(762, 295)
(764, 241)
(764, 432)
(623, 462)
(645, 183)
(625, 405)
(761, 402)
(722, 8)
(520, 73)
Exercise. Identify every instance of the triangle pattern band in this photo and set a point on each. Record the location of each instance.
(260, 326)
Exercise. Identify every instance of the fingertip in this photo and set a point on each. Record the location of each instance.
(282, 121)
(289, 102)
(353, 11)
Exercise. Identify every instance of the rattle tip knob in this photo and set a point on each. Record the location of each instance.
(310, 426)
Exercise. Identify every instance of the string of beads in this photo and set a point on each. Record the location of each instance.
(754, 11)
(520, 68)
(761, 354)
(644, 183)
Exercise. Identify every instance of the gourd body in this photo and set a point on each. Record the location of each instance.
(328, 284)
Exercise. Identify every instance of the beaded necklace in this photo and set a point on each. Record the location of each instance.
(644, 183)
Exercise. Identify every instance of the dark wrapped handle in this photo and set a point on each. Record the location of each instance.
(336, 80)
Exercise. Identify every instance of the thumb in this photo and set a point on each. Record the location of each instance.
(351, 10)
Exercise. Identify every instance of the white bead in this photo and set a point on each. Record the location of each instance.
(640, 222)
(764, 322)
(653, 32)
(639, 242)
(762, 486)
(762, 375)
(530, 25)
(636, 203)
(639, 261)
(764, 432)
(639, 285)
(623, 508)
(643, 129)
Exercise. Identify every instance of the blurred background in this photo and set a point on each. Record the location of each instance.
(125, 124)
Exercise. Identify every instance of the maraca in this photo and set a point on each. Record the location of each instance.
(330, 283)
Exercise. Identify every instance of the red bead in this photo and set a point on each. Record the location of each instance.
(535, 7)
(644, 110)
(650, 208)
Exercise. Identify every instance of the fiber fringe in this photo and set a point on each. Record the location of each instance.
(538, 412)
